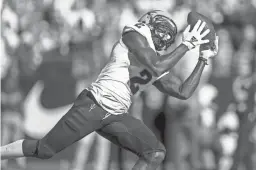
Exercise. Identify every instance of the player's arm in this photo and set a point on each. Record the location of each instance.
(173, 86)
(139, 47)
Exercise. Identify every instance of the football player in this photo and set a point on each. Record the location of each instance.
(135, 64)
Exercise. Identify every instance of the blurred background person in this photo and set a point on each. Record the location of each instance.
(12, 111)
(244, 94)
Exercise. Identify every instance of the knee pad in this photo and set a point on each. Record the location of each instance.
(157, 155)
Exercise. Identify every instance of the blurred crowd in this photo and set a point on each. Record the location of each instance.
(52, 49)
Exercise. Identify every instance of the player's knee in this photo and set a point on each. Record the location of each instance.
(155, 157)
(159, 156)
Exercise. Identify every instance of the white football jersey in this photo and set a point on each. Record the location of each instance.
(123, 76)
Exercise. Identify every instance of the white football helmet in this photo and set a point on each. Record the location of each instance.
(163, 28)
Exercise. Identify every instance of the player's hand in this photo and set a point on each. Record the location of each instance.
(195, 37)
(211, 53)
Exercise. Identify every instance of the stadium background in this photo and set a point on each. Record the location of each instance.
(52, 49)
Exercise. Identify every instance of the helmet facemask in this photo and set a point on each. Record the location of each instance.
(163, 30)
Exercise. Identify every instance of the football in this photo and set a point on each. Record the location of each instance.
(192, 19)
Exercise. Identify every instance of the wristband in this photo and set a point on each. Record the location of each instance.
(203, 59)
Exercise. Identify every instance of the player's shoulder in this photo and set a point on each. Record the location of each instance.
(134, 39)
(139, 32)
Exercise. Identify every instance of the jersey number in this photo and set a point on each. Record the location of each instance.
(146, 77)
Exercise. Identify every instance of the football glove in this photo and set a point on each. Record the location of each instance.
(195, 37)
(207, 54)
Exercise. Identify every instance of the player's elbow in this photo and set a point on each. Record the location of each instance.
(181, 96)
(185, 95)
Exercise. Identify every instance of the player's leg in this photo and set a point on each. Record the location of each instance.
(131, 134)
(135, 110)
(78, 122)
